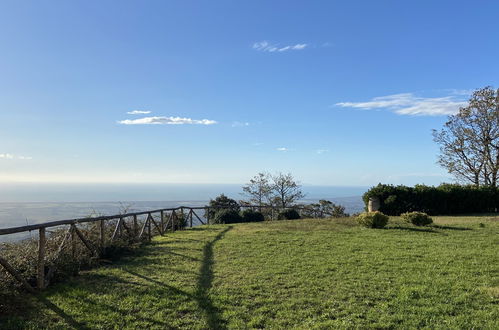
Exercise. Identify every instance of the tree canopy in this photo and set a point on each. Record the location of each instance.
(469, 140)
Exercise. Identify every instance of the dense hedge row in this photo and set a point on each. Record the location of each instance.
(443, 199)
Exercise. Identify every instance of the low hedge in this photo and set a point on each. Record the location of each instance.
(444, 199)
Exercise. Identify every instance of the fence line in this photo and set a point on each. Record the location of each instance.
(169, 221)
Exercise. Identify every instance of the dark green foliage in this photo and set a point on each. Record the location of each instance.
(372, 219)
(417, 218)
(324, 209)
(225, 216)
(289, 214)
(443, 199)
(250, 215)
(220, 203)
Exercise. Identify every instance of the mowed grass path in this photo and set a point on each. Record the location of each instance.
(289, 274)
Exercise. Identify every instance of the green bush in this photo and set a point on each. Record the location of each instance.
(372, 219)
(417, 218)
(250, 215)
(289, 214)
(222, 202)
(226, 216)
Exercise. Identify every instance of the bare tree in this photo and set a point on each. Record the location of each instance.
(285, 190)
(469, 140)
(258, 189)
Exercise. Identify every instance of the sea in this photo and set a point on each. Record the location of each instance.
(26, 203)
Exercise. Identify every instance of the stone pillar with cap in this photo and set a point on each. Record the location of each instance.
(373, 204)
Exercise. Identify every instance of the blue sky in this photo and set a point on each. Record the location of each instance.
(337, 93)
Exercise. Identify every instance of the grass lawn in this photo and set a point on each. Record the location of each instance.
(289, 274)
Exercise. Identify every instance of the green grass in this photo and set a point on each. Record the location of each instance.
(289, 274)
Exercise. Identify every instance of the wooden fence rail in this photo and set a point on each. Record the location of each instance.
(169, 221)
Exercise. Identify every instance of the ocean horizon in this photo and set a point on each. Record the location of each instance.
(23, 204)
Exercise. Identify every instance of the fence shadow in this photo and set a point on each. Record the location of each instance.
(67, 318)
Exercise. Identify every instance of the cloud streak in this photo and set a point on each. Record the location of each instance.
(159, 120)
(265, 46)
(240, 124)
(11, 156)
(409, 104)
(138, 112)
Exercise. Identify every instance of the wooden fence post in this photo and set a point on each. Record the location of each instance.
(190, 218)
(135, 226)
(73, 242)
(162, 222)
(102, 236)
(174, 217)
(40, 280)
(149, 234)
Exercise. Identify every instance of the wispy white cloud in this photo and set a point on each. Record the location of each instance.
(11, 156)
(240, 124)
(409, 104)
(6, 156)
(321, 151)
(283, 149)
(265, 46)
(157, 120)
(138, 112)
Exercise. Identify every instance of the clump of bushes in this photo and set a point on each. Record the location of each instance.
(250, 215)
(289, 214)
(220, 203)
(225, 216)
(417, 218)
(372, 219)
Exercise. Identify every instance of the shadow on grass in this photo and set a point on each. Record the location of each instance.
(162, 284)
(450, 228)
(67, 318)
(429, 229)
(106, 283)
(416, 229)
(205, 281)
(126, 312)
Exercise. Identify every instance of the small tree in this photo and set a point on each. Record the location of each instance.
(325, 209)
(285, 190)
(258, 189)
(469, 140)
(222, 202)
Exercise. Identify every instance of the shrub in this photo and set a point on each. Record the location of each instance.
(222, 202)
(372, 219)
(250, 215)
(417, 218)
(289, 214)
(226, 216)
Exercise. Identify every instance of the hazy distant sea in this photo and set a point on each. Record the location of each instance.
(22, 204)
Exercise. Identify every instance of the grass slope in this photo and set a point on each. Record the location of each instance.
(289, 274)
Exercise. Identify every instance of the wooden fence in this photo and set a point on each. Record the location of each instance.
(154, 222)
